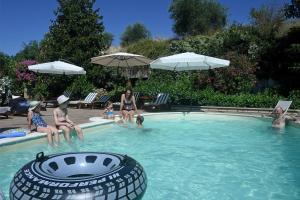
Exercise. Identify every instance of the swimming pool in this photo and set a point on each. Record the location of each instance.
(193, 156)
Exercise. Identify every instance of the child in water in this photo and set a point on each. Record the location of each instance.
(139, 121)
(279, 118)
(109, 111)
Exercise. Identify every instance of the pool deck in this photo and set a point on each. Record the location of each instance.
(82, 117)
(79, 116)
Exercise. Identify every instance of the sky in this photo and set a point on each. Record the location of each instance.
(22, 21)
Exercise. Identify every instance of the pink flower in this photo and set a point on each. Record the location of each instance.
(28, 62)
(22, 72)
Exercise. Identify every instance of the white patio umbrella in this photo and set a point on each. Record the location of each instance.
(188, 61)
(57, 67)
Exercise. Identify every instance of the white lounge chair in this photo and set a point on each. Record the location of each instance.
(285, 105)
(89, 100)
(67, 93)
(102, 100)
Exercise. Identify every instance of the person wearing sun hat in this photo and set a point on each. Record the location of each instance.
(34, 118)
(33, 105)
(62, 120)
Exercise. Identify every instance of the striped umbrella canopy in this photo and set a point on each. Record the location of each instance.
(130, 65)
(121, 59)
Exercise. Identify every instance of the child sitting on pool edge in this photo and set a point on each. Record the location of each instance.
(34, 118)
(62, 121)
(109, 111)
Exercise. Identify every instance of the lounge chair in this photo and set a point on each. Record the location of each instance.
(89, 100)
(285, 105)
(67, 93)
(52, 102)
(161, 103)
(18, 106)
(116, 105)
(4, 111)
(102, 100)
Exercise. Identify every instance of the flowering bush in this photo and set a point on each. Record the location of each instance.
(23, 73)
(5, 82)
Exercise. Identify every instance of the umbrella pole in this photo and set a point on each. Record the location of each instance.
(129, 85)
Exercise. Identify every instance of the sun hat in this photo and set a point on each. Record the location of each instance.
(33, 105)
(62, 99)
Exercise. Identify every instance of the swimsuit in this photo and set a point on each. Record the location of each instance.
(37, 120)
(63, 121)
(127, 105)
(110, 113)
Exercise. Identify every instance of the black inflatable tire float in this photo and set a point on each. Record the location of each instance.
(105, 176)
(1, 195)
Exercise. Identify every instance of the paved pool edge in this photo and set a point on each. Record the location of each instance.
(37, 135)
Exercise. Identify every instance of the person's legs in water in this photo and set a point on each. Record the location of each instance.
(131, 115)
(79, 132)
(125, 115)
(55, 134)
(67, 132)
(49, 133)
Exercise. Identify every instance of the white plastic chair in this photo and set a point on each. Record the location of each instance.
(285, 105)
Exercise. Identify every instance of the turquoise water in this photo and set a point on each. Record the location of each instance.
(191, 157)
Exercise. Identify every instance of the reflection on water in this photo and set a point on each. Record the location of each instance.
(190, 157)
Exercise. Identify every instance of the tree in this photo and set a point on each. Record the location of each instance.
(152, 49)
(292, 10)
(284, 61)
(193, 17)
(267, 20)
(75, 35)
(134, 33)
(108, 38)
(4, 64)
(30, 51)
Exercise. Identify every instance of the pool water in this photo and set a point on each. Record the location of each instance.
(193, 156)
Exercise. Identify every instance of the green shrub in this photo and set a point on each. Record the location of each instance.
(294, 96)
(116, 93)
(81, 87)
(40, 90)
(181, 92)
(208, 97)
(152, 49)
